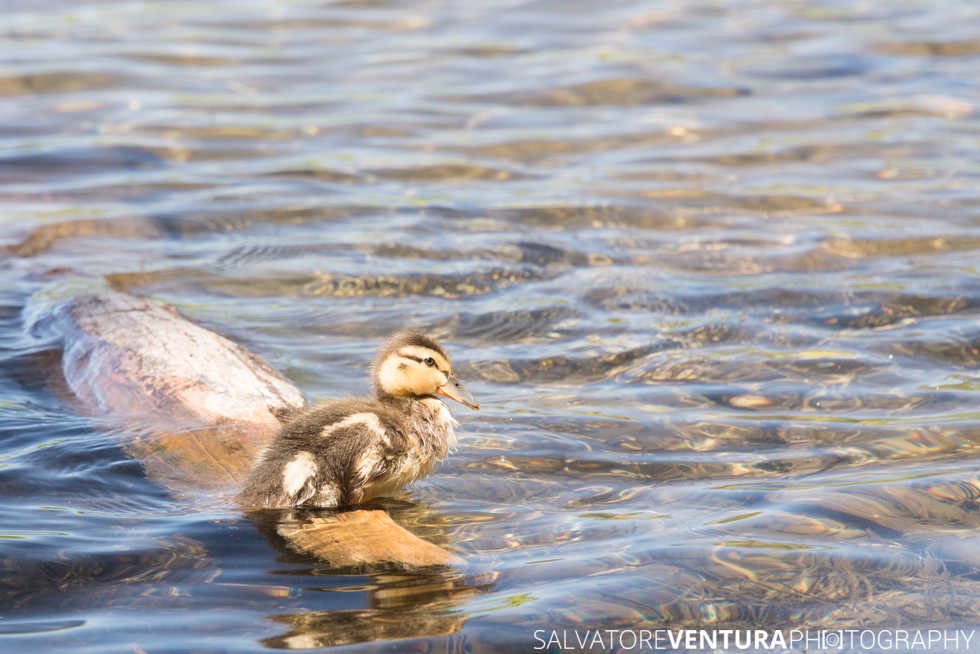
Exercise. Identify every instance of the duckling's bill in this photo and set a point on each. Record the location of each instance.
(454, 390)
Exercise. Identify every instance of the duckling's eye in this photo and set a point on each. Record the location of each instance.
(429, 361)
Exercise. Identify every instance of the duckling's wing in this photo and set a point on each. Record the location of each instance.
(361, 454)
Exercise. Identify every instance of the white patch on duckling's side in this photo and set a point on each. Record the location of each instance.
(367, 463)
(369, 420)
(297, 473)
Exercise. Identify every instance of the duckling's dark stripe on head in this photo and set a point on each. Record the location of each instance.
(419, 360)
(411, 338)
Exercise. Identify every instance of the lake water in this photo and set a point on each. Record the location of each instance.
(711, 269)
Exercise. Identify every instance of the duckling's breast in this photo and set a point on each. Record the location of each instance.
(435, 426)
(431, 435)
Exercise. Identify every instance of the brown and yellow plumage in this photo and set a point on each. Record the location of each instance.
(349, 451)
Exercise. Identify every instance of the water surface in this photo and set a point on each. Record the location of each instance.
(711, 269)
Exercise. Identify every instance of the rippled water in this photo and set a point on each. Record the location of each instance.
(711, 268)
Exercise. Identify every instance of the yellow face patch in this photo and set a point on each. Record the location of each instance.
(413, 370)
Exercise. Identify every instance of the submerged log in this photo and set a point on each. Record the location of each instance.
(200, 408)
(202, 405)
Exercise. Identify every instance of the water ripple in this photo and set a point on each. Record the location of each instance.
(711, 270)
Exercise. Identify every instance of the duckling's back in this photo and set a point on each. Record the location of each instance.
(322, 457)
(347, 452)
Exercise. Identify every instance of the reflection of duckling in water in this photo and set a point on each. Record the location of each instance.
(349, 451)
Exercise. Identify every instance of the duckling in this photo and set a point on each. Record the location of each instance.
(346, 452)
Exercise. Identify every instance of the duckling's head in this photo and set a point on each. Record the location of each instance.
(411, 365)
